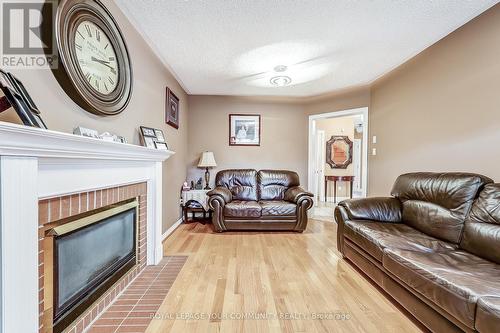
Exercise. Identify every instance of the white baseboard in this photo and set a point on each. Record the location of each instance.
(171, 229)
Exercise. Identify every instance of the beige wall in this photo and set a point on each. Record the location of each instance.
(341, 126)
(146, 108)
(441, 110)
(283, 135)
(284, 140)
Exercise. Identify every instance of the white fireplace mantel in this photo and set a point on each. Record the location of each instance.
(37, 164)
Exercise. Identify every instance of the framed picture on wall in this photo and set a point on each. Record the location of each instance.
(172, 109)
(16, 104)
(244, 129)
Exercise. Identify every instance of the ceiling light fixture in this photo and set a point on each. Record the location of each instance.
(280, 68)
(280, 81)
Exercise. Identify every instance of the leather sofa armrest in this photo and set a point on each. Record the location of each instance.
(381, 209)
(295, 194)
(221, 192)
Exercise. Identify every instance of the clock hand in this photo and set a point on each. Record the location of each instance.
(102, 62)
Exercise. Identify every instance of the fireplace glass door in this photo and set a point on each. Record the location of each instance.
(90, 251)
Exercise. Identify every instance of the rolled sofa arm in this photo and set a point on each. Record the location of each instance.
(295, 194)
(381, 209)
(217, 199)
(374, 209)
(223, 192)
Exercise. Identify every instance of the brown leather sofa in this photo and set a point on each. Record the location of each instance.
(434, 246)
(245, 199)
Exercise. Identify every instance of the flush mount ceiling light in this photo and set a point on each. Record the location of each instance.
(280, 68)
(280, 81)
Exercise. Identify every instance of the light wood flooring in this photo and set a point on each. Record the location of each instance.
(289, 279)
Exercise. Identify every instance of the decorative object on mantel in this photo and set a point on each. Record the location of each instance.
(15, 97)
(339, 152)
(153, 138)
(207, 160)
(91, 133)
(244, 130)
(88, 132)
(94, 65)
(172, 109)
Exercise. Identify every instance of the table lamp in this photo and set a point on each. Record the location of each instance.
(207, 160)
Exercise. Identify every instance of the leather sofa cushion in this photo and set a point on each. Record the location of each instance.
(237, 208)
(374, 237)
(488, 315)
(482, 227)
(437, 203)
(242, 183)
(273, 183)
(453, 280)
(278, 208)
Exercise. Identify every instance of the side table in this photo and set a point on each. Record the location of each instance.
(195, 201)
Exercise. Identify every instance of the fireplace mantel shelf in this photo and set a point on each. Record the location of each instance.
(38, 164)
(18, 140)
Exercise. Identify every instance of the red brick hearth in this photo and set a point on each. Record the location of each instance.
(54, 212)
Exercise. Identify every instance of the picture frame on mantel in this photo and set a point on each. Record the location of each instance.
(172, 109)
(244, 129)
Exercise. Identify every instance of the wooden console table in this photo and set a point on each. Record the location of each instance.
(336, 179)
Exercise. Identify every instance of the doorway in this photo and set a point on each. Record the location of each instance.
(351, 126)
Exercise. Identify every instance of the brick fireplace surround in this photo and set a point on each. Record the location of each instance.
(51, 211)
(46, 176)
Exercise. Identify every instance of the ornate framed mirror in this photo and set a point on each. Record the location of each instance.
(339, 152)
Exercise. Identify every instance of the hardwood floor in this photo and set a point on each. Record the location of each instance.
(286, 278)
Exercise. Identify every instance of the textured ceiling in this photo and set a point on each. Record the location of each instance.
(230, 47)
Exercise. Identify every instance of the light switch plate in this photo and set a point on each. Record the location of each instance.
(374, 139)
(374, 151)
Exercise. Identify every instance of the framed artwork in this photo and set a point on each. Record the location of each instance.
(244, 130)
(172, 109)
(14, 96)
(153, 138)
(159, 135)
(161, 145)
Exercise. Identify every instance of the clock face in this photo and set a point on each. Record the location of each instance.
(96, 57)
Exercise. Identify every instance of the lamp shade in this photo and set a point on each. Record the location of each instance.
(207, 160)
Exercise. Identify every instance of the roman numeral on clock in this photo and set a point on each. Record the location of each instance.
(110, 81)
(98, 35)
(89, 32)
(79, 47)
(88, 76)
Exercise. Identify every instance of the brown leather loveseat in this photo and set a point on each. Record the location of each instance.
(245, 199)
(434, 246)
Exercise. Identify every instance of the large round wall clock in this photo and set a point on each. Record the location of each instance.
(94, 65)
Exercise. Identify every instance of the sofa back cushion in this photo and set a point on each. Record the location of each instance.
(241, 182)
(437, 203)
(482, 227)
(274, 183)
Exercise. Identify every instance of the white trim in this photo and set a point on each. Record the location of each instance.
(171, 229)
(18, 140)
(19, 244)
(335, 114)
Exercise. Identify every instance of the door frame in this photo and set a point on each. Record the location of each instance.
(311, 135)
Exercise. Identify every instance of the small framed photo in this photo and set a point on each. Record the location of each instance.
(149, 142)
(147, 131)
(172, 109)
(161, 145)
(153, 138)
(159, 135)
(244, 130)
